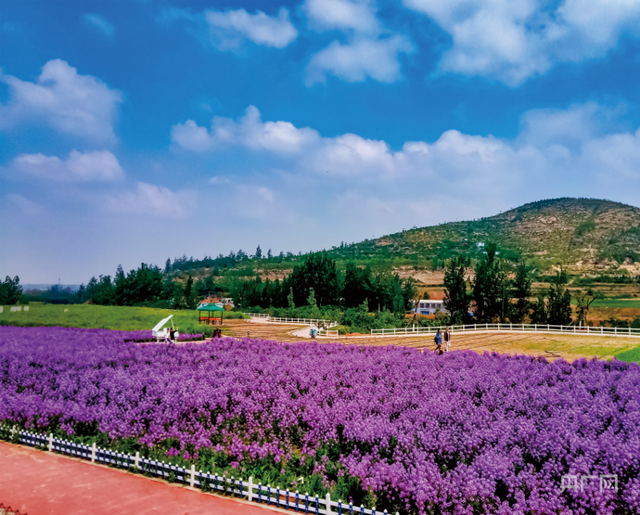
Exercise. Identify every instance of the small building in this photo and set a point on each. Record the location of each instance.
(430, 307)
(435, 303)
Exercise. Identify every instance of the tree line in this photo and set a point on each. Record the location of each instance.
(318, 276)
(501, 292)
(145, 286)
(185, 264)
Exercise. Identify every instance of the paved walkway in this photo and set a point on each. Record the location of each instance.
(42, 483)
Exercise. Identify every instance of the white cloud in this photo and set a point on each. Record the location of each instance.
(546, 155)
(229, 29)
(99, 23)
(24, 205)
(354, 62)
(370, 51)
(514, 40)
(78, 105)
(152, 200)
(350, 154)
(99, 165)
(347, 154)
(248, 131)
(359, 16)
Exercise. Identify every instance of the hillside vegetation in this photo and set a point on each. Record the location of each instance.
(563, 231)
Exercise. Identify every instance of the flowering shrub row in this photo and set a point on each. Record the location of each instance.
(460, 433)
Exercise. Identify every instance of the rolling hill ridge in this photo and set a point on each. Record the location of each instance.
(565, 231)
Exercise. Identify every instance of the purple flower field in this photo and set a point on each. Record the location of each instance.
(461, 433)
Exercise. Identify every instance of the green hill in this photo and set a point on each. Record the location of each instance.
(559, 231)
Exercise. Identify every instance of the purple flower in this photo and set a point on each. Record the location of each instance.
(463, 434)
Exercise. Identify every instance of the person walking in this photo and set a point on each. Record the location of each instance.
(438, 342)
(447, 339)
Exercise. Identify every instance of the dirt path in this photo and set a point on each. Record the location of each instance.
(551, 346)
(42, 483)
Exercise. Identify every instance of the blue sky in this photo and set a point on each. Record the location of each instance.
(132, 131)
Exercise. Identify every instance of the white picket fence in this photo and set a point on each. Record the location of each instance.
(272, 496)
(328, 333)
(537, 328)
(15, 308)
(300, 321)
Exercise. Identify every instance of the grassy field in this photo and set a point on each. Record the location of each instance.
(617, 303)
(104, 317)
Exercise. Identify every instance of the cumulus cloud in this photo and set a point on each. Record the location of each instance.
(513, 41)
(248, 131)
(99, 165)
(228, 30)
(347, 154)
(546, 152)
(70, 103)
(354, 62)
(98, 22)
(370, 51)
(358, 16)
(152, 200)
(569, 127)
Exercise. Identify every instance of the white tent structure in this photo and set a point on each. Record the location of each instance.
(158, 331)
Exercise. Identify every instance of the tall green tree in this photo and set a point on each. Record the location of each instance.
(492, 287)
(456, 300)
(521, 292)
(120, 293)
(409, 292)
(318, 271)
(539, 314)
(395, 292)
(354, 288)
(10, 291)
(100, 291)
(559, 307)
(189, 294)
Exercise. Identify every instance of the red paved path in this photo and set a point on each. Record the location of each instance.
(42, 483)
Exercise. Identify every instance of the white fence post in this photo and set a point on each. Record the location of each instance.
(192, 473)
(327, 503)
(94, 452)
(136, 461)
(250, 489)
(50, 442)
